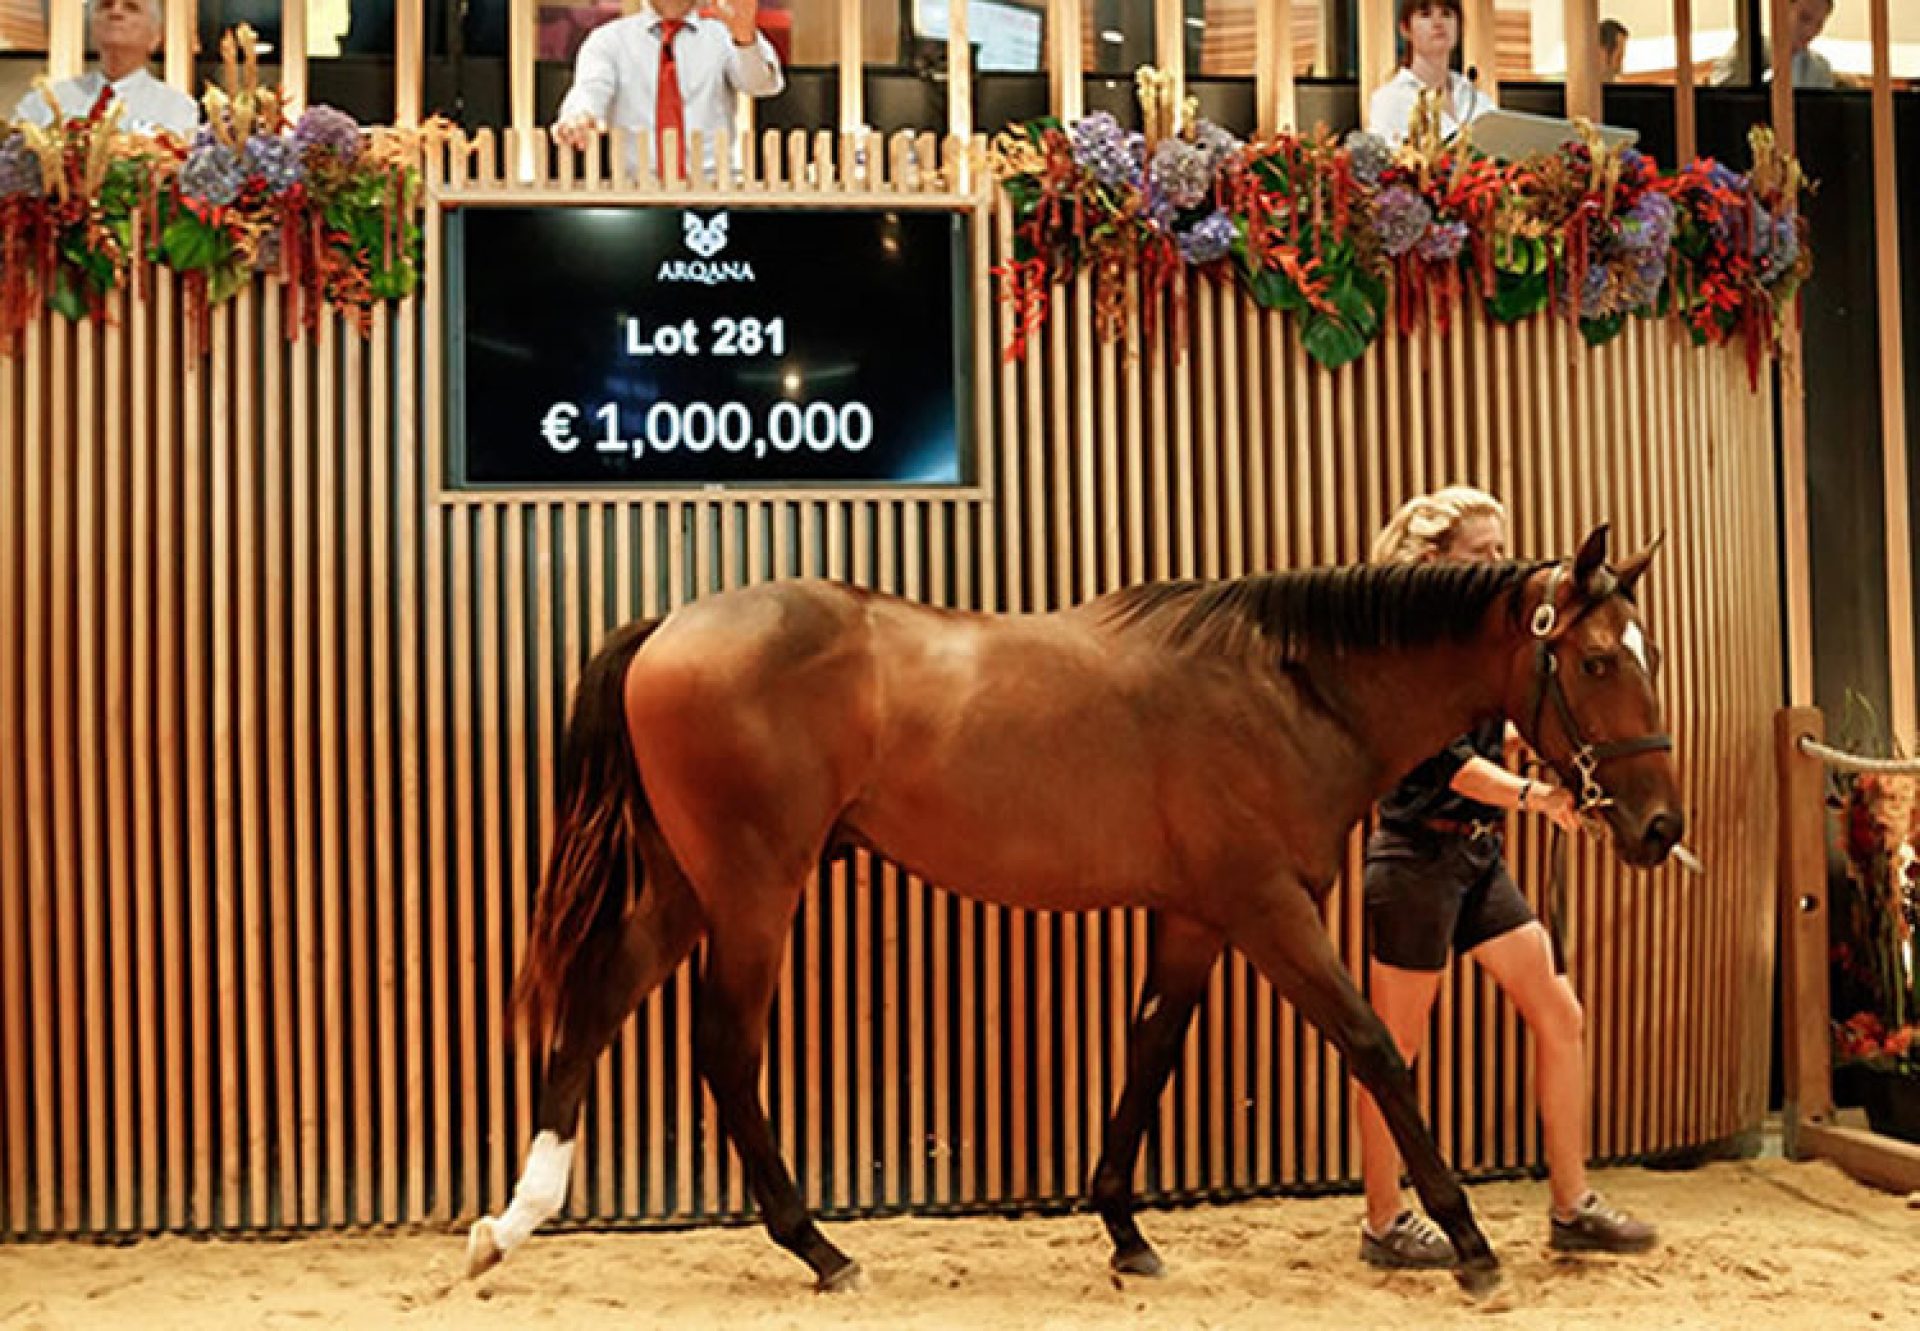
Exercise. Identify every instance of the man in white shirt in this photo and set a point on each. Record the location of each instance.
(126, 33)
(666, 67)
(1806, 19)
(1431, 31)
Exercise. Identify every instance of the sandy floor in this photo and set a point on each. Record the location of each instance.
(1748, 1245)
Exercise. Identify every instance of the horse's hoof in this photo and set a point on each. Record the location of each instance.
(1138, 1261)
(1478, 1278)
(848, 1279)
(483, 1250)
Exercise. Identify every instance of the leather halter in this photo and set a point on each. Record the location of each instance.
(1547, 687)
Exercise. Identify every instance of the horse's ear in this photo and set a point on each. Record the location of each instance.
(1591, 560)
(1636, 563)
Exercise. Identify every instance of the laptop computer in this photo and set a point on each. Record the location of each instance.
(1511, 135)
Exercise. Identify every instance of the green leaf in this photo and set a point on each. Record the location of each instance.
(1517, 297)
(1331, 342)
(66, 297)
(191, 245)
(1599, 332)
(226, 281)
(1274, 290)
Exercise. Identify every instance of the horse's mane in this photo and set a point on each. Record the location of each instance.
(1281, 617)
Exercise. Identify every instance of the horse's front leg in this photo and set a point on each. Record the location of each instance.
(1182, 956)
(1283, 936)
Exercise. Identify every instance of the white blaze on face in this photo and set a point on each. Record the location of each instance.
(1636, 642)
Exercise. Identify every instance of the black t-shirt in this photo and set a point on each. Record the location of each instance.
(1427, 792)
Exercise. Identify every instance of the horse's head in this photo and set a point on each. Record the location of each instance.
(1581, 691)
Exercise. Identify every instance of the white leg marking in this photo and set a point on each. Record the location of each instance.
(540, 1194)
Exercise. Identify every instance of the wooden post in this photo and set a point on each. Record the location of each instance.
(183, 19)
(293, 58)
(1793, 423)
(1893, 397)
(67, 40)
(1686, 138)
(959, 73)
(1377, 50)
(1807, 1062)
(1480, 44)
(408, 62)
(1583, 58)
(853, 111)
(1275, 105)
(1170, 44)
(1066, 59)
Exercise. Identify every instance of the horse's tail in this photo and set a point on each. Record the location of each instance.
(594, 869)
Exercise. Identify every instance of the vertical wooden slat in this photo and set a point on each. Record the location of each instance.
(249, 547)
(14, 763)
(1583, 57)
(89, 848)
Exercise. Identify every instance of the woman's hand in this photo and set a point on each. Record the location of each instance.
(1556, 802)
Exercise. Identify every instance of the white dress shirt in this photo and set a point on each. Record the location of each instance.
(150, 104)
(1390, 113)
(616, 74)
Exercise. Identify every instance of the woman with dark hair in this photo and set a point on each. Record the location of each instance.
(1429, 36)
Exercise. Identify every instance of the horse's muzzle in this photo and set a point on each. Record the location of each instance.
(1658, 838)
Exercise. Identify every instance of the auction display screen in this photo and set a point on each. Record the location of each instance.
(668, 345)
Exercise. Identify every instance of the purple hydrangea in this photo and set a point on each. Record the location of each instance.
(1370, 155)
(1627, 282)
(1218, 144)
(1400, 219)
(1776, 244)
(19, 168)
(1442, 242)
(1181, 172)
(273, 161)
(1208, 239)
(1112, 154)
(212, 172)
(1648, 225)
(324, 127)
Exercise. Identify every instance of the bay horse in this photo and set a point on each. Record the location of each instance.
(1201, 750)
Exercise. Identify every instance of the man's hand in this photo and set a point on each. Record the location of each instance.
(742, 18)
(576, 132)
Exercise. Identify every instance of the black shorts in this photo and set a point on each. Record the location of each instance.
(1428, 893)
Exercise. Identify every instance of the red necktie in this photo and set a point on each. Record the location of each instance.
(668, 113)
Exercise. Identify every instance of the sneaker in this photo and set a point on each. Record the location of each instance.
(1411, 1242)
(1595, 1226)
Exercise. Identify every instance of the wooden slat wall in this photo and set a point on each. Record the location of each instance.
(278, 718)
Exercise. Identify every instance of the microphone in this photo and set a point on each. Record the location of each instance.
(1473, 95)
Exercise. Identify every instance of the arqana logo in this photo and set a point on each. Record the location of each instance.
(707, 238)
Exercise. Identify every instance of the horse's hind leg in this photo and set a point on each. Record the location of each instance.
(730, 1035)
(609, 978)
(1182, 956)
(1290, 947)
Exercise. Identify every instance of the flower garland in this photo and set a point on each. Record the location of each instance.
(328, 207)
(1344, 234)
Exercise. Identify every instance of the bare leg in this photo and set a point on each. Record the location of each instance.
(1290, 947)
(607, 981)
(730, 1035)
(1404, 999)
(1521, 962)
(1182, 957)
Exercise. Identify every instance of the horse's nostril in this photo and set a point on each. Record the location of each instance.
(1664, 831)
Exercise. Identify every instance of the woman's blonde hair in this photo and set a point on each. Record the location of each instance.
(1425, 525)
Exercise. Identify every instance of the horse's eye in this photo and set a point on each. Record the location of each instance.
(1597, 667)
